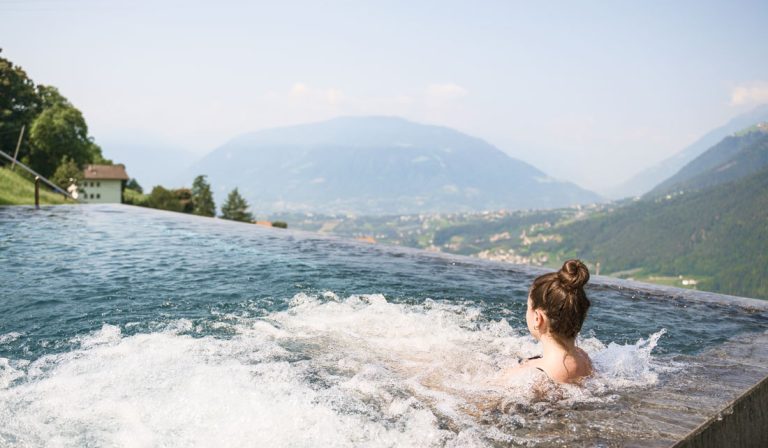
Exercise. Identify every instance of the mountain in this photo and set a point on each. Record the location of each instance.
(717, 234)
(736, 156)
(378, 165)
(644, 181)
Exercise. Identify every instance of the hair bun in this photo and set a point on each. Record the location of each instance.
(574, 274)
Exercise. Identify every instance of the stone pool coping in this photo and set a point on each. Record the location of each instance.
(743, 422)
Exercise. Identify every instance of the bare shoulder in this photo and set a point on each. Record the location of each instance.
(570, 368)
(586, 360)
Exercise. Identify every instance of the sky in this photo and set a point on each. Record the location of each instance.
(589, 92)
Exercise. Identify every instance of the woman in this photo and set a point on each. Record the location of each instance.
(557, 306)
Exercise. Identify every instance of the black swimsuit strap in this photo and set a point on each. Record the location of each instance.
(538, 357)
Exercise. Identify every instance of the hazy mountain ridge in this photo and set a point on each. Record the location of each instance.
(646, 180)
(379, 165)
(737, 156)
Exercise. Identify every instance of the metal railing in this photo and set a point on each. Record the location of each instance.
(38, 176)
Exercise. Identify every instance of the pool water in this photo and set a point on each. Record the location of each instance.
(123, 326)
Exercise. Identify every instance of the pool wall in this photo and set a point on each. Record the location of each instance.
(742, 423)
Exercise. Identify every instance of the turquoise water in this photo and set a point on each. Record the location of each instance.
(133, 327)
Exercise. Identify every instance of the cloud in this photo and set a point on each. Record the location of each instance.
(302, 102)
(302, 98)
(334, 96)
(446, 91)
(752, 93)
(304, 92)
(335, 101)
(299, 89)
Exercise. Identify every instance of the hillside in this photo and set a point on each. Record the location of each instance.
(378, 165)
(15, 189)
(736, 156)
(647, 179)
(718, 234)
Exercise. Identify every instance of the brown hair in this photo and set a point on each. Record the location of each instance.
(561, 296)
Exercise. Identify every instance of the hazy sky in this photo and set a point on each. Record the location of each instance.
(589, 92)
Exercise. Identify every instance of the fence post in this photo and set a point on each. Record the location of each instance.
(37, 192)
(18, 145)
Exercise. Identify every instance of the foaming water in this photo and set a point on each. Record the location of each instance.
(122, 326)
(326, 371)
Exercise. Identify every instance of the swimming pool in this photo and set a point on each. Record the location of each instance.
(134, 327)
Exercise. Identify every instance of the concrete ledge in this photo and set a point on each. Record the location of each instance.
(742, 423)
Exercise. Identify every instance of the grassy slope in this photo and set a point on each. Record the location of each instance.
(719, 234)
(16, 189)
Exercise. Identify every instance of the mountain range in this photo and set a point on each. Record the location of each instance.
(646, 180)
(714, 231)
(378, 165)
(704, 226)
(736, 156)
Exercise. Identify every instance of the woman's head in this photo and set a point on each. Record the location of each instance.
(560, 297)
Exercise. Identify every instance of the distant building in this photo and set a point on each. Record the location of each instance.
(102, 184)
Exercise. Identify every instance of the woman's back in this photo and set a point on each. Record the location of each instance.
(564, 367)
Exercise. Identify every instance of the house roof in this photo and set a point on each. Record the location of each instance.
(105, 172)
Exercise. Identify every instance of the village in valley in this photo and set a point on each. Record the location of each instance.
(530, 237)
(521, 237)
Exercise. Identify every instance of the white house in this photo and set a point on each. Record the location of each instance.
(102, 184)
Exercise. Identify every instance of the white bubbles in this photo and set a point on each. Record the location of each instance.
(357, 371)
(9, 337)
(629, 365)
(172, 390)
(107, 335)
(8, 373)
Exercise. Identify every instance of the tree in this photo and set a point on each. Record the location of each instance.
(19, 104)
(186, 201)
(202, 197)
(164, 199)
(235, 208)
(133, 197)
(66, 173)
(49, 96)
(133, 184)
(57, 132)
(54, 127)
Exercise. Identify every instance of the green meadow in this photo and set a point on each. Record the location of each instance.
(17, 189)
